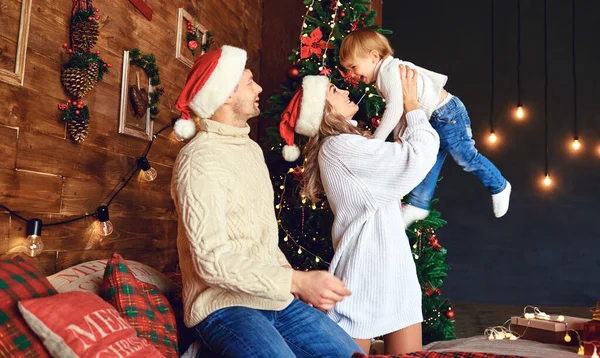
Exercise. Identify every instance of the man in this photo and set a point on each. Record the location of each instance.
(238, 288)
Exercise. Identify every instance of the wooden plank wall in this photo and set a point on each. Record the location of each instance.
(45, 174)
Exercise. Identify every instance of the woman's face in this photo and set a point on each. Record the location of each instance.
(341, 103)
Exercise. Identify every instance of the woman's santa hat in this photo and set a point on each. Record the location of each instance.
(212, 79)
(303, 114)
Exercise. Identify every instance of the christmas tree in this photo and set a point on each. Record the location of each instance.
(304, 226)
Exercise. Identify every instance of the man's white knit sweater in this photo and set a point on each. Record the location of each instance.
(227, 234)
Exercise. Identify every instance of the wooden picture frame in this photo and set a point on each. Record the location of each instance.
(182, 53)
(17, 76)
(128, 122)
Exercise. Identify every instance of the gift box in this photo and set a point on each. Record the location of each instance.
(547, 331)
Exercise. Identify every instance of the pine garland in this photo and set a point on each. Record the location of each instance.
(147, 62)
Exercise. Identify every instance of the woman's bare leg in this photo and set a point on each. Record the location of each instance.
(365, 344)
(406, 340)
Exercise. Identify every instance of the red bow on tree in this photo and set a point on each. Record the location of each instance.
(313, 44)
(349, 78)
(433, 241)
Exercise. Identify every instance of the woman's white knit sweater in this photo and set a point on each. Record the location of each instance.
(227, 231)
(364, 180)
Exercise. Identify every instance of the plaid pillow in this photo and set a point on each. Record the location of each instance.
(20, 280)
(142, 305)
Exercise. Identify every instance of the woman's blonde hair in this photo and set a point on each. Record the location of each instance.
(361, 42)
(333, 123)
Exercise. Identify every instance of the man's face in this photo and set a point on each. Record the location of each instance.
(245, 97)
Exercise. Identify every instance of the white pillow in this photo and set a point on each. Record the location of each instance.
(88, 277)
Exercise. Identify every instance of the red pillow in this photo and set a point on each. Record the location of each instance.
(19, 280)
(142, 305)
(81, 324)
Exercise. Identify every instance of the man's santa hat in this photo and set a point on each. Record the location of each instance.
(212, 79)
(303, 114)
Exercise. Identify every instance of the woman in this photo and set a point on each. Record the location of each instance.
(364, 180)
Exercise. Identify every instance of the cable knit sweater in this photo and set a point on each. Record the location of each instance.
(364, 180)
(227, 231)
(387, 81)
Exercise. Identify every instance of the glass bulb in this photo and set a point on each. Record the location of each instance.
(106, 228)
(34, 245)
(576, 144)
(150, 174)
(547, 180)
(520, 113)
(493, 138)
(595, 355)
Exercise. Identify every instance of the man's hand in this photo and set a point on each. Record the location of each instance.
(408, 77)
(318, 288)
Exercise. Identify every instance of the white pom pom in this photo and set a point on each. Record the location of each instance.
(184, 128)
(291, 153)
(353, 122)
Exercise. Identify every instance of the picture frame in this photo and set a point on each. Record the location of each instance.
(129, 123)
(16, 76)
(182, 52)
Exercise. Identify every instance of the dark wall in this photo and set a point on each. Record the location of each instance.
(546, 249)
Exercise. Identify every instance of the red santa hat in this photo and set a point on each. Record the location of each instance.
(212, 79)
(303, 114)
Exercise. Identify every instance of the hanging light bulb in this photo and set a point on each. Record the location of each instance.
(519, 113)
(576, 143)
(547, 180)
(493, 137)
(595, 354)
(149, 173)
(33, 244)
(106, 227)
(567, 337)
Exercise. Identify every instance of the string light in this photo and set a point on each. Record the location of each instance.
(492, 134)
(493, 137)
(519, 113)
(106, 227)
(148, 173)
(547, 180)
(33, 244)
(576, 144)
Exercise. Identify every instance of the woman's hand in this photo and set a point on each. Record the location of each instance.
(408, 77)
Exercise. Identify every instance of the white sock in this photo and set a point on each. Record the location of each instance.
(410, 214)
(501, 200)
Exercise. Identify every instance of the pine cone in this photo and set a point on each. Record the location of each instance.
(79, 81)
(78, 129)
(85, 34)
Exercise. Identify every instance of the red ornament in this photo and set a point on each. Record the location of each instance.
(192, 44)
(313, 44)
(90, 18)
(450, 314)
(62, 106)
(68, 101)
(298, 173)
(110, 65)
(97, 52)
(97, 17)
(343, 14)
(325, 71)
(77, 112)
(433, 242)
(375, 121)
(349, 78)
(65, 45)
(293, 72)
(69, 51)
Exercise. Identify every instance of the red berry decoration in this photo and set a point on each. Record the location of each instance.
(69, 51)
(65, 45)
(77, 111)
(90, 18)
(68, 101)
(97, 52)
(110, 65)
(342, 14)
(97, 17)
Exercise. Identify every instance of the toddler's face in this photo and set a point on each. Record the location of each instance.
(363, 67)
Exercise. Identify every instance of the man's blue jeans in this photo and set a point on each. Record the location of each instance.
(452, 123)
(297, 331)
